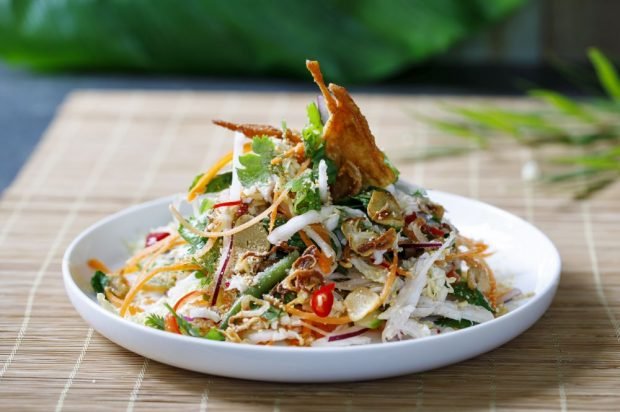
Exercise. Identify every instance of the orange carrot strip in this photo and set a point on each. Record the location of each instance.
(142, 281)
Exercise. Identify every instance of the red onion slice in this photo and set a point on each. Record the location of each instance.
(226, 252)
(431, 245)
(347, 335)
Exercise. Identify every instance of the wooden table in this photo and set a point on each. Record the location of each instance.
(109, 150)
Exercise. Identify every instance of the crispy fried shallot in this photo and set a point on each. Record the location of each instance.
(253, 130)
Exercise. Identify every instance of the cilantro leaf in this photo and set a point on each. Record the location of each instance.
(219, 183)
(307, 196)
(454, 324)
(155, 321)
(471, 296)
(196, 242)
(99, 281)
(257, 165)
(186, 328)
(205, 205)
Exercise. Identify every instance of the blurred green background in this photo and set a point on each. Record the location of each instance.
(356, 41)
(50, 47)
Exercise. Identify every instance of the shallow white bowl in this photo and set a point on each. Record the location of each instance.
(524, 257)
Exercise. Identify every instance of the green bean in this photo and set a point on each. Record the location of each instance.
(266, 280)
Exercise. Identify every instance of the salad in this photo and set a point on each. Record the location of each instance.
(305, 239)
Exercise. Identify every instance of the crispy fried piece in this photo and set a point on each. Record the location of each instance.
(252, 130)
(349, 141)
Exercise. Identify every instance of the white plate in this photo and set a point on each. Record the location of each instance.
(523, 254)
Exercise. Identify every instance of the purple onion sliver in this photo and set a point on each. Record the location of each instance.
(421, 245)
(347, 335)
(188, 318)
(220, 275)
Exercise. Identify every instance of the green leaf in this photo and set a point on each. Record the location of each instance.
(272, 314)
(205, 205)
(454, 324)
(99, 281)
(196, 242)
(219, 183)
(215, 334)
(306, 191)
(185, 327)
(257, 165)
(471, 296)
(606, 72)
(563, 104)
(361, 41)
(155, 321)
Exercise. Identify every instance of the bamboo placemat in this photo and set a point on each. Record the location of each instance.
(108, 150)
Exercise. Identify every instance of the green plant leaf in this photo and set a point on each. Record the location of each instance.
(606, 72)
(563, 104)
(360, 41)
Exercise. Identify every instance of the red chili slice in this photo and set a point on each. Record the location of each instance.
(434, 231)
(155, 237)
(322, 300)
(224, 204)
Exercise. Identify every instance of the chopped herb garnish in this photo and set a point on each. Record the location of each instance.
(257, 165)
(155, 321)
(99, 281)
(471, 296)
(272, 314)
(314, 145)
(219, 183)
(306, 191)
(454, 324)
(196, 242)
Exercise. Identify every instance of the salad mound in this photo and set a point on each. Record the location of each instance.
(306, 239)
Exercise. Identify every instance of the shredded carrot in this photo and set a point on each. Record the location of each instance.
(243, 226)
(317, 319)
(96, 264)
(204, 180)
(166, 243)
(187, 297)
(113, 299)
(305, 238)
(142, 281)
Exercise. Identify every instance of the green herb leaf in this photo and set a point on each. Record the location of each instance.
(606, 72)
(454, 324)
(306, 191)
(219, 183)
(185, 327)
(471, 296)
(314, 145)
(215, 334)
(99, 281)
(563, 104)
(155, 321)
(196, 242)
(272, 314)
(206, 204)
(257, 165)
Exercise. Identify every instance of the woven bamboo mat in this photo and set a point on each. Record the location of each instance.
(109, 150)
